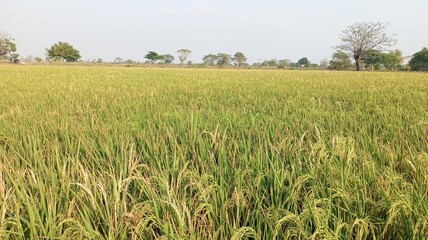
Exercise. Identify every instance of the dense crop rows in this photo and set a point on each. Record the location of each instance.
(127, 153)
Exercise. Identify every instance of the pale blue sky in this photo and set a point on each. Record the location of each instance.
(261, 29)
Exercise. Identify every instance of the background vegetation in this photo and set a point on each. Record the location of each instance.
(367, 43)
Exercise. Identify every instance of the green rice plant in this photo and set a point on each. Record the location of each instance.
(134, 153)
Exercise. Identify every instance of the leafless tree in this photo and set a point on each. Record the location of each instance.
(361, 38)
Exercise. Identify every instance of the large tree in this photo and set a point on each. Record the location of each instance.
(419, 61)
(63, 51)
(361, 38)
(183, 55)
(7, 46)
(239, 58)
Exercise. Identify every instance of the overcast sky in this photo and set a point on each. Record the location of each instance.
(261, 29)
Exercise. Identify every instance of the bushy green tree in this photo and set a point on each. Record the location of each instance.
(340, 61)
(304, 62)
(14, 57)
(239, 58)
(63, 51)
(168, 58)
(393, 60)
(419, 61)
(210, 59)
(374, 59)
(7, 46)
(223, 59)
(153, 57)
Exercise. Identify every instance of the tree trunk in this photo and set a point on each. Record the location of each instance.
(357, 63)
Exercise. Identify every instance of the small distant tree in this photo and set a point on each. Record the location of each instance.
(118, 60)
(7, 46)
(313, 66)
(168, 58)
(270, 63)
(284, 63)
(183, 55)
(130, 61)
(419, 61)
(14, 58)
(362, 38)
(340, 61)
(63, 51)
(99, 60)
(153, 57)
(324, 63)
(304, 62)
(29, 58)
(239, 58)
(38, 59)
(210, 59)
(223, 59)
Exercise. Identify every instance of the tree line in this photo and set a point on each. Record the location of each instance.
(363, 46)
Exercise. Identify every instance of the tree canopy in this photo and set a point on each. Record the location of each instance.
(118, 60)
(183, 55)
(377, 60)
(223, 59)
(340, 61)
(7, 46)
(373, 59)
(210, 59)
(153, 57)
(63, 51)
(362, 38)
(168, 58)
(419, 61)
(239, 58)
(304, 62)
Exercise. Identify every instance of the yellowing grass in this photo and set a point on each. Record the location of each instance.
(129, 153)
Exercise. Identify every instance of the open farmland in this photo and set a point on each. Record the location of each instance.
(133, 153)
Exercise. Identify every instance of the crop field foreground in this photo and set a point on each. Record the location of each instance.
(134, 153)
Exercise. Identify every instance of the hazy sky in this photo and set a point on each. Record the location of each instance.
(261, 29)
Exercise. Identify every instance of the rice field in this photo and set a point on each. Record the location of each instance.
(134, 153)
